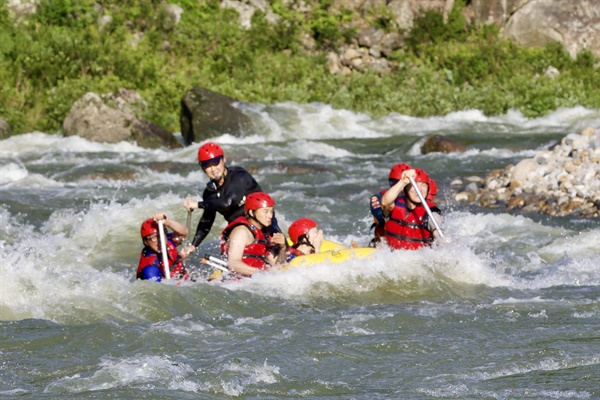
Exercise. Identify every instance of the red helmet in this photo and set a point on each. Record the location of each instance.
(397, 170)
(257, 200)
(421, 176)
(300, 227)
(209, 151)
(432, 189)
(149, 227)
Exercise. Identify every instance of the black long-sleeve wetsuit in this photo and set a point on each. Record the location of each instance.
(228, 200)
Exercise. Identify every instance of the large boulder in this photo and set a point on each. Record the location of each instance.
(495, 11)
(111, 118)
(440, 144)
(5, 129)
(205, 114)
(574, 23)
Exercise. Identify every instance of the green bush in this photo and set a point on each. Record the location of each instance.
(66, 13)
(55, 56)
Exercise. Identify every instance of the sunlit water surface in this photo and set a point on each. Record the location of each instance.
(508, 307)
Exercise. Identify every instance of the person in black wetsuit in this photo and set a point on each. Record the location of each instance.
(225, 193)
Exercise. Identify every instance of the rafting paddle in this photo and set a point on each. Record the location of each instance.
(215, 262)
(412, 181)
(188, 224)
(163, 249)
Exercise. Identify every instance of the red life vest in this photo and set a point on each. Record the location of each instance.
(408, 229)
(377, 212)
(149, 257)
(255, 254)
(292, 253)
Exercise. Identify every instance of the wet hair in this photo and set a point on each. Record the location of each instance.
(303, 240)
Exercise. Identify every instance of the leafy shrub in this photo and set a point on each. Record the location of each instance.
(62, 52)
(66, 13)
(330, 29)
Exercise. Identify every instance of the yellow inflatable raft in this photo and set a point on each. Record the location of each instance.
(330, 257)
(331, 253)
(327, 245)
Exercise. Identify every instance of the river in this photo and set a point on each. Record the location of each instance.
(507, 307)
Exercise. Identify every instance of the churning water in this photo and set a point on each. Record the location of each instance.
(508, 307)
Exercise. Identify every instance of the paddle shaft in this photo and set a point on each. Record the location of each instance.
(163, 249)
(216, 260)
(188, 224)
(412, 181)
(214, 264)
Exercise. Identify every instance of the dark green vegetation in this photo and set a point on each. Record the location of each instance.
(51, 58)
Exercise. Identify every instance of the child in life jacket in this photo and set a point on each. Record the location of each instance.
(248, 242)
(306, 238)
(151, 266)
(409, 225)
(379, 216)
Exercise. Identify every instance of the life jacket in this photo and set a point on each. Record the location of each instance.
(149, 257)
(409, 229)
(377, 212)
(255, 254)
(292, 253)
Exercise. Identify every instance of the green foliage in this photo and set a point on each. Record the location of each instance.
(553, 54)
(67, 13)
(62, 52)
(382, 18)
(262, 37)
(585, 59)
(430, 29)
(4, 17)
(329, 29)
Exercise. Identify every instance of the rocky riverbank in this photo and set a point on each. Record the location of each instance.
(563, 180)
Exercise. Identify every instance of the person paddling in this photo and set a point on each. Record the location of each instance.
(377, 212)
(151, 265)
(247, 242)
(306, 238)
(225, 193)
(409, 225)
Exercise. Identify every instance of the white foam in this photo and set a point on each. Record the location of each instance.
(310, 121)
(38, 142)
(12, 172)
(83, 257)
(140, 370)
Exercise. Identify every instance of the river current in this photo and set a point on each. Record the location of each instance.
(507, 307)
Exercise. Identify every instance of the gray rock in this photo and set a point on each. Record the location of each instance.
(574, 23)
(247, 8)
(392, 41)
(5, 129)
(18, 9)
(495, 11)
(563, 181)
(111, 119)
(205, 114)
(370, 37)
(521, 172)
(436, 143)
(333, 63)
(175, 12)
(403, 14)
(551, 72)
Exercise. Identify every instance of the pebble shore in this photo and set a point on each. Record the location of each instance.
(561, 181)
